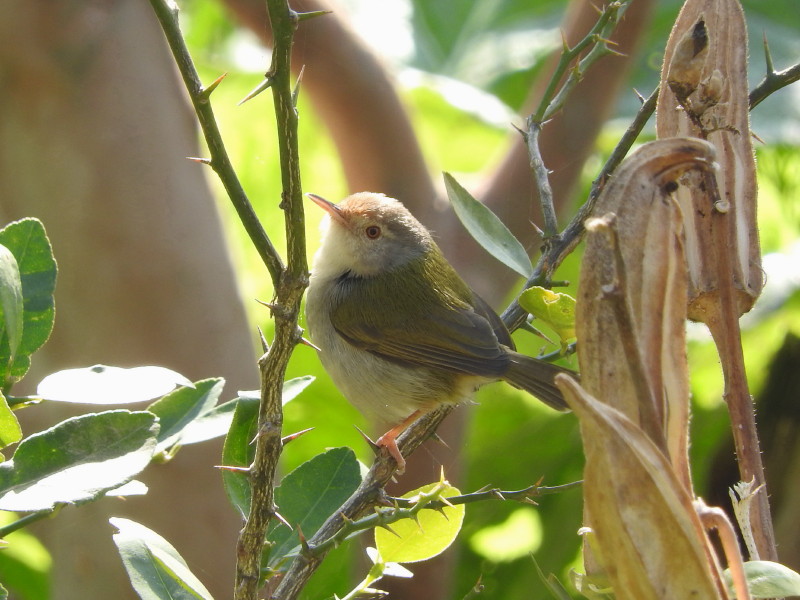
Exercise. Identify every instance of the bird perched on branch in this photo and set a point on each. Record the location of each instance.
(400, 333)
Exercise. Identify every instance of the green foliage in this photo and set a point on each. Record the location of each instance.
(306, 498)
(766, 579)
(156, 570)
(183, 407)
(27, 276)
(428, 534)
(239, 449)
(487, 229)
(101, 384)
(78, 460)
(555, 309)
(10, 431)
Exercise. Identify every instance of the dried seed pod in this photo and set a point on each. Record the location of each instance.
(637, 361)
(649, 537)
(685, 69)
(717, 109)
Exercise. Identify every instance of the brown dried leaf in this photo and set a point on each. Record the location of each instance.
(717, 109)
(649, 537)
(639, 366)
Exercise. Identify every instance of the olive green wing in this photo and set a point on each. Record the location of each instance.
(419, 324)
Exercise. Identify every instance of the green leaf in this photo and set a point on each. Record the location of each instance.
(10, 431)
(554, 308)
(309, 495)
(414, 541)
(11, 307)
(238, 451)
(27, 241)
(78, 460)
(767, 579)
(291, 389)
(180, 408)
(156, 570)
(487, 229)
(101, 384)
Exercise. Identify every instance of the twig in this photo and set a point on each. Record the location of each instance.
(369, 494)
(560, 247)
(553, 100)
(525, 495)
(24, 522)
(724, 328)
(167, 14)
(773, 80)
(289, 291)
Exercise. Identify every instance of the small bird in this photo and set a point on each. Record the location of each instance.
(399, 331)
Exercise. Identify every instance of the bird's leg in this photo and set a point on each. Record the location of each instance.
(389, 440)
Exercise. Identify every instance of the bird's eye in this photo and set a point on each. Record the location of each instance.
(373, 232)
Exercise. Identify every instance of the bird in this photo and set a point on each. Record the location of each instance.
(398, 330)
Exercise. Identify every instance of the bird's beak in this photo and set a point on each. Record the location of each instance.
(329, 207)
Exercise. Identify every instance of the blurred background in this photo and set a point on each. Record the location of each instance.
(155, 268)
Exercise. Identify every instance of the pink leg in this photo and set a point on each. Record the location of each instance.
(389, 441)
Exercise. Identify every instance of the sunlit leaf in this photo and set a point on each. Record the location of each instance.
(10, 431)
(432, 534)
(101, 384)
(554, 308)
(77, 460)
(487, 229)
(178, 410)
(156, 569)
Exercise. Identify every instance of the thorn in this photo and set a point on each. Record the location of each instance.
(281, 520)
(390, 530)
(496, 493)
(264, 343)
(537, 229)
(768, 57)
(305, 16)
(446, 502)
(197, 159)
(385, 500)
(257, 90)
(293, 436)
(233, 469)
(270, 305)
(347, 520)
(375, 448)
(531, 501)
(435, 437)
(303, 542)
(206, 91)
(641, 98)
(521, 131)
(483, 489)
(296, 90)
(310, 344)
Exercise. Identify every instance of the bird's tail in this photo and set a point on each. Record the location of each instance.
(537, 378)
